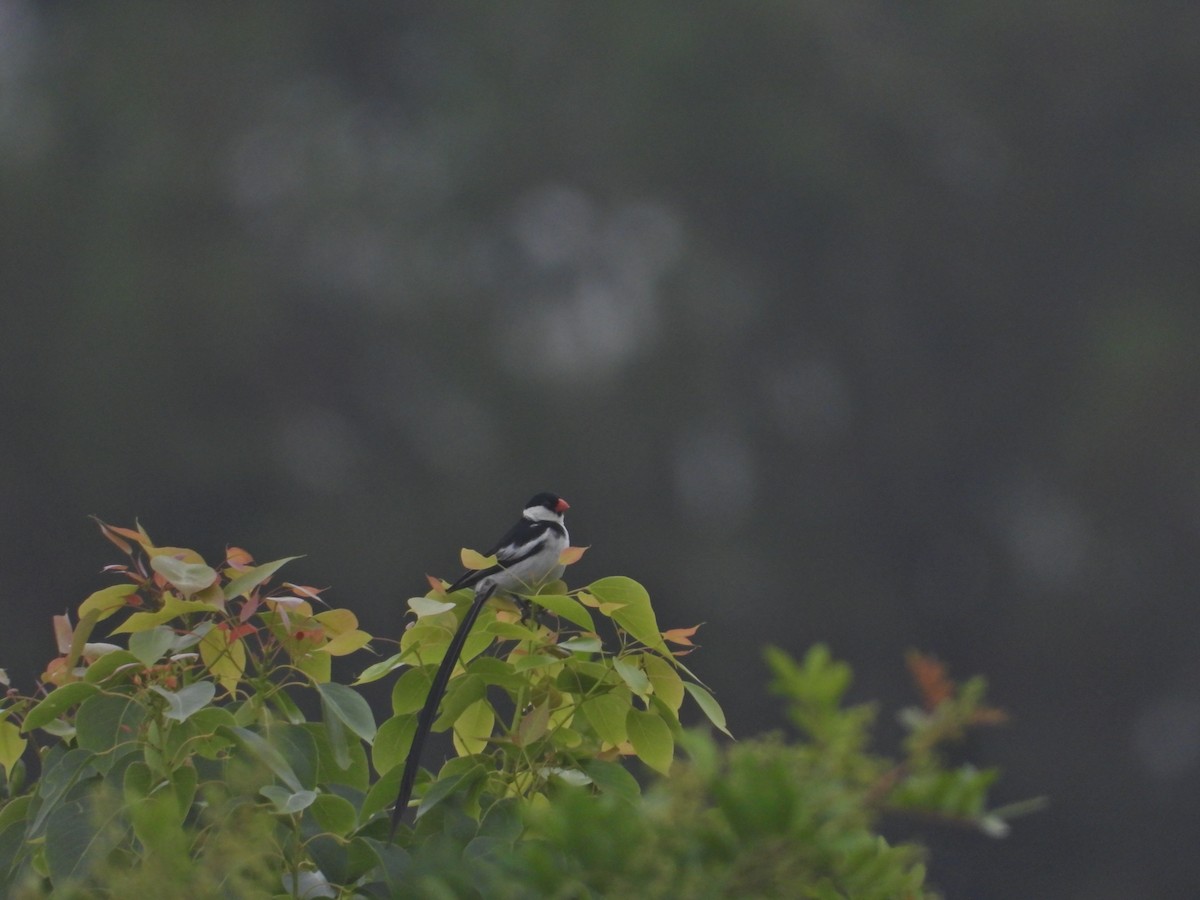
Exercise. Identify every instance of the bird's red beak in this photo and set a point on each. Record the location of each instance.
(561, 506)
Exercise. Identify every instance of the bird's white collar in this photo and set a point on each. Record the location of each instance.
(541, 514)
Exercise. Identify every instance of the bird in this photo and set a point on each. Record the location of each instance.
(527, 555)
(526, 558)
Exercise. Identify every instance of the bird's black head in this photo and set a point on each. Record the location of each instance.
(552, 502)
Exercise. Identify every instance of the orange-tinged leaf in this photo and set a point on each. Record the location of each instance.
(139, 537)
(930, 677)
(474, 560)
(56, 672)
(238, 631)
(681, 636)
(109, 532)
(571, 555)
(237, 558)
(436, 584)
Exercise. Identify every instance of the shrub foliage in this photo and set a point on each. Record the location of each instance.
(203, 749)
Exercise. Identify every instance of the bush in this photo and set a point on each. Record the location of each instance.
(181, 762)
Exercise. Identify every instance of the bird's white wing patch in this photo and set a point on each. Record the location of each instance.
(520, 551)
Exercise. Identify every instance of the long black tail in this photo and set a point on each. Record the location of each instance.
(429, 710)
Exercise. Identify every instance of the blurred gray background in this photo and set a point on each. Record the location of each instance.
(836, 320)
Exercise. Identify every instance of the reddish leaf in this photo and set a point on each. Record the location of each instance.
(237, 558)
(929, 675)
(109, 532)
(238, 631)
(436, 584)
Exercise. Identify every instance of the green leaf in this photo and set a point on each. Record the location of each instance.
(375, 671)
(474, 560)
(225, 657)
(247, 581)
(348, 705)
(203, 731)
(635, 614)
(110, 663)
(268, 755)
(108, 725)
(61, 771)
(57, 702)
(149, 646)
(287, 802)
(172, 608)
(461, 693)
(12, 745)
(299, 748)
(448, 784)
(665, 680)
(383, 792)
(189, 578)
(411, 689)
(356, 774)
(535, 661)
(613, 778)
(75, 841)
(334, 814)
(427, 606)
(708, 704)
(567, 608)
(185, 702)
(632, 676)
(473, 728)
(392, 742)
(498, 672)
(183, 784)
(107, 601)
(606, 713)
(651, 738)
(581, 644)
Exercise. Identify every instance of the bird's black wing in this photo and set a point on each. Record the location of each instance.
(520, 542)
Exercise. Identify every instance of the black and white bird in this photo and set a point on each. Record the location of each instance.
(526, 558)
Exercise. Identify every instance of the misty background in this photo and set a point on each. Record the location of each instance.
(856, 322)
